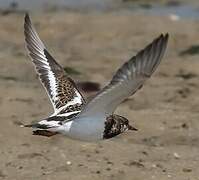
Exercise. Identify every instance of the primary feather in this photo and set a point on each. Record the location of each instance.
(128, 79)
(65, 97)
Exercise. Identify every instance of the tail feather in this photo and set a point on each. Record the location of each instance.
(44, 127)
(44, 133)
(44, 124)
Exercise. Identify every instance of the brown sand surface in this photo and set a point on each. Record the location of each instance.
(165, 110)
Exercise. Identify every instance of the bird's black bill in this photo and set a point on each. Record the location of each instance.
(132, 128)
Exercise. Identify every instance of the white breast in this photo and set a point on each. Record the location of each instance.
(85, 128)
(65, 129)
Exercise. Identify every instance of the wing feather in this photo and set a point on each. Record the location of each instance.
(128, 79)
(62, 91)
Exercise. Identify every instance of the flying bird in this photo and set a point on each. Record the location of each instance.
(93, 120)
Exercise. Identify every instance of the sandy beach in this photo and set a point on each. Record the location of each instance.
(165, 110)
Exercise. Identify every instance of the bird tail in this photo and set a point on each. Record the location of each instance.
(44, 133)
(44, 128)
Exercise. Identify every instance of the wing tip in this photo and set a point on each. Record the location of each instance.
(27, 25)
(27, 20)
(32, 40)
(164, 38)
(160, 45)
(26, 16)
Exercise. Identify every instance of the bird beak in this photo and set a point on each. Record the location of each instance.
(132, 128)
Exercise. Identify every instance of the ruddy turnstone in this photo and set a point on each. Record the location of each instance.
(95, 119)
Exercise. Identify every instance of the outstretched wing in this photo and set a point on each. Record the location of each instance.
(128, 79)
(65, 97)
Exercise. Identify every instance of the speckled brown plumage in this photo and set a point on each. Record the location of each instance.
(65, 91)
(59, 86)
(71, 108)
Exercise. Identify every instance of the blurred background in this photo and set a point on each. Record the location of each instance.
(91, 39)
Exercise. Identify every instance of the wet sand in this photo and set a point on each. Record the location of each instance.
(165, 110)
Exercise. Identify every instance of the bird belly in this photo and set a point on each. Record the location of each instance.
(86, 129)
